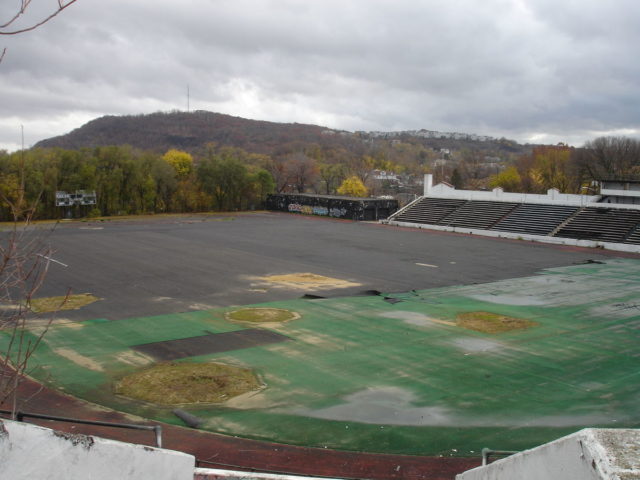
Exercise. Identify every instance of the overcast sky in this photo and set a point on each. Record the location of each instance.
(543, 71)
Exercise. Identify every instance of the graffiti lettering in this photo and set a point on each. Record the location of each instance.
(309, 210)
(338, 212)
(320, 211)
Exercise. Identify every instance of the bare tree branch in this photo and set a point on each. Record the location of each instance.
(25, 4)
(24, 262)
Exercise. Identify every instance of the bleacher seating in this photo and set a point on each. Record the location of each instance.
(535, 219)
(634, 236)
(603, 224)
(478, 214)
(616, 225)
(428, 210)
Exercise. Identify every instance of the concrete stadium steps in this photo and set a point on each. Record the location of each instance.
(478, 214)
(634, 236)
(601, 224)
(535, 219)
(595, 224)
(429, 210)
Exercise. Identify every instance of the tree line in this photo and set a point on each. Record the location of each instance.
(133, 181)
(569, 169)
(130, 181)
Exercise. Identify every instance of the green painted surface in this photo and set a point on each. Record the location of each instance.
(361, 373)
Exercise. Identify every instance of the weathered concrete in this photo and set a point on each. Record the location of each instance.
(29, 451)
(590, 454)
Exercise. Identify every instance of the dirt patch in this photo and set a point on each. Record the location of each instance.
(55, 304)
(307, 281)
(488, 322)
(187, 383)
(78, 359)
(262, 315)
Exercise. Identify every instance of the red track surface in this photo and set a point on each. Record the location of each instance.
(219, 451)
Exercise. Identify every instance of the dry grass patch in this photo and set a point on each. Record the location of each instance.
(307, 281)
(183, 383)
(55, 304)
(262, 315)
(488, 322)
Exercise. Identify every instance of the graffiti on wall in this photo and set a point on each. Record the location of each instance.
(320, 211)
(308, 209)
(338, 212)
(320, 205)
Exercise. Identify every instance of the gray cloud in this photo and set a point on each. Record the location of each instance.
(532, 70)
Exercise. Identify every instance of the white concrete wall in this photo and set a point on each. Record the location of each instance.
(552, 196)
(32, 452)
(619, 247)
(590, 454)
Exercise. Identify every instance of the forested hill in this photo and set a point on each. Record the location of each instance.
(189, 131)
(192, 132)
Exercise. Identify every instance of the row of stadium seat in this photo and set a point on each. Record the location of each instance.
(587, 223)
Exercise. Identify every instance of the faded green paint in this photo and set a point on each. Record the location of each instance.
(361, 373)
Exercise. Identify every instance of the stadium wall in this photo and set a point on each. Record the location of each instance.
(590, 454)
(349, 208)
(30, 451)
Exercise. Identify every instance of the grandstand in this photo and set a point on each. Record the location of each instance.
(393, 366)
(552, 218)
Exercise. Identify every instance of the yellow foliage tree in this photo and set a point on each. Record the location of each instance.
(353, 187)
(182, 162)
(550, 168)
(509, 180)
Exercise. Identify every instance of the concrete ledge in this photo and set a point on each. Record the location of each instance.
(30, 451)
(590, 454)
(218, 474)
(619, 247)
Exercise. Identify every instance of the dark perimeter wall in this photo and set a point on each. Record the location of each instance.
(332, 206)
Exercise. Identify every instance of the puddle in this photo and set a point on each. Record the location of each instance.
(383, 406)
(394, 406)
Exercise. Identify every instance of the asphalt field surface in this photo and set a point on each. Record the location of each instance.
(166, 264)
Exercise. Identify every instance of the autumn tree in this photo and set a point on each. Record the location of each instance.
(332, 175)
(302, 171)
(262, 184)
(353, 187)
(362, 167)
(509, 180)
(551, 168)
(277, 167)
(182, 162)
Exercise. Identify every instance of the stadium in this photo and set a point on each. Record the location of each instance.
(400, 352)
